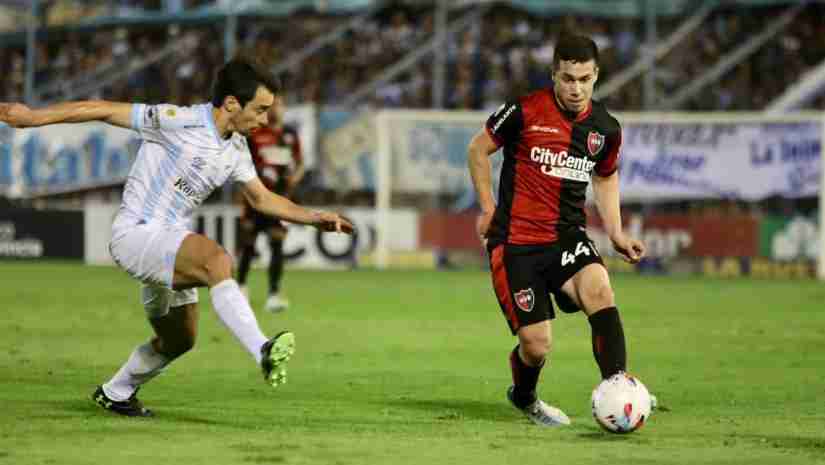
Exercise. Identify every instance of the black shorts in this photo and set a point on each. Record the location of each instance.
(524, 276)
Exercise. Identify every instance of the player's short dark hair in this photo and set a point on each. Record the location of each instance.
(576, 48)
(241, 79)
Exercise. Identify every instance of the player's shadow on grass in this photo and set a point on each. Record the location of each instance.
(454, 410)
(601, 436)
(66, 409)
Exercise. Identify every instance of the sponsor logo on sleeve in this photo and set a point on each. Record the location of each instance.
(151, 119)
(504, 118)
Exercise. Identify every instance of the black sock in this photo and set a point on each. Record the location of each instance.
(276, 266)
(525, 379)
(243, 266)
(608, 341)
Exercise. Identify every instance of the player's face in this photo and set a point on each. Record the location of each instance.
(254, 114)
(573, 83)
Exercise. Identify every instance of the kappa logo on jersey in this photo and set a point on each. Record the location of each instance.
(525, 299)
(543, 129)
(595, 142)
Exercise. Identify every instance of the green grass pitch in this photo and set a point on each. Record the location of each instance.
(410, 368)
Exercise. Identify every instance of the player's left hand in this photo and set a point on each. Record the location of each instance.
(632, 250)
(333, 222)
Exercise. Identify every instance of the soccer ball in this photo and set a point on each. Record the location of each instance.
(621, 403)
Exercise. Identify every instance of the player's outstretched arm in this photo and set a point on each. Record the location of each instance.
(268, 203)
(478, 160)
(606, 192)
(21, 116)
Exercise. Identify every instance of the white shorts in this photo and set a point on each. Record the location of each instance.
(157, 300)
(147, 252)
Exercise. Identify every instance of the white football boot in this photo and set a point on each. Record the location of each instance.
(275, 303)
(540, 413)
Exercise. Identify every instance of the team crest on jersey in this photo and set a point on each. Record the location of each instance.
(198, 163)
(170, 112)
(525, 299)
(595, 142)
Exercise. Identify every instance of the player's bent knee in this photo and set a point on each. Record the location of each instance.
(597, 297)
(218, 267)
(536, 348)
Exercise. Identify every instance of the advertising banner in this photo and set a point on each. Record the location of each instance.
(69, 157)
(32, 234)
(64, 157)
(741, 160)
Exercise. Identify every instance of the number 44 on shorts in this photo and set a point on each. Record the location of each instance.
(568, 258)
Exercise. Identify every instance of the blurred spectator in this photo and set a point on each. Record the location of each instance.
(508, 53)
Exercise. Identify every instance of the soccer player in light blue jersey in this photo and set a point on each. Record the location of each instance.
(186, 153)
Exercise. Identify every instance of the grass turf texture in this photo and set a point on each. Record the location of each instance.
(410, 367)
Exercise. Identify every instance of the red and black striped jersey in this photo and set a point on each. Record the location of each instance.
(549, 157)
(274, 153)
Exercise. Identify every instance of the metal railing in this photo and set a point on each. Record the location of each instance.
(727, 62)
(88, 84)
(646, 61)
(414, 56)
(809, 87)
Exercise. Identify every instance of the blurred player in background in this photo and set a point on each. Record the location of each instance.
(185, 154)
(556, 141)
(276, 152)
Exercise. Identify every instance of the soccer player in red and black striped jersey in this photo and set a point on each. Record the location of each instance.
(555, 141)
(276, 152)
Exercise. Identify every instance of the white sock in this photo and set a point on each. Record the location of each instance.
(143, 365)
(234, 311)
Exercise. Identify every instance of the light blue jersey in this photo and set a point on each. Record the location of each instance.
(181, 161)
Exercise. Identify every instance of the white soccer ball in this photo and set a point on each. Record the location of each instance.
(621, 403)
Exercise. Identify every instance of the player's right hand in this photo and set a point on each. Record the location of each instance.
(16, 115)
(333, 222)
(483, 225)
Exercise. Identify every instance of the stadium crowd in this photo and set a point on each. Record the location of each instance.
(506, 54)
